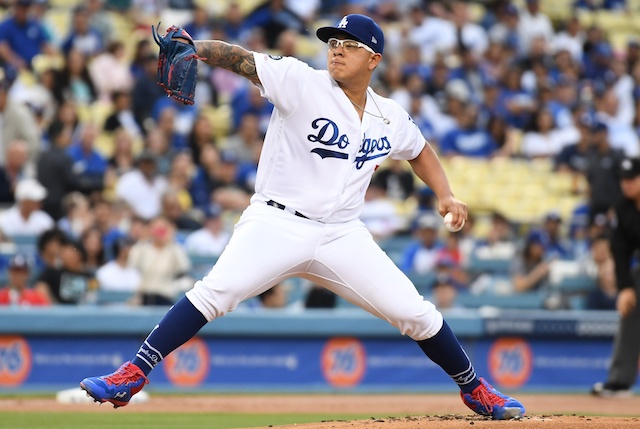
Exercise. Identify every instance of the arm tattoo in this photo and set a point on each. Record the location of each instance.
(231, 57)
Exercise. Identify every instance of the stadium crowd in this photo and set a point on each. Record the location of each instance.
(107, 185)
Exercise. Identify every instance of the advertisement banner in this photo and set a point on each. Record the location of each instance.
(313, 364)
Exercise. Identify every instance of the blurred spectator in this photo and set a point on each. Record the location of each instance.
(142, 188)
(432, 33)
(203, 182)
(530, 268)
(70, 282)
(248, 100)
(168, 117)
(380, 214)
(176, 213)
(17, 291)
(500, 241)
(241, 143)
(92, 241)
(116, 275)
(14, 169)
(632, 54)
(320, 297)
(37, 96)
(396, 179)
(411, 63)
(88, 164)
(471, 37)
(18, 123)
(199, 27)
(142, 52)
(146, 92)
(212, 238)
(467, 139)
(157, 143)
(123, 159)
(226, 190)
(78, 215)
(122, 116)
(110, 72)
(73, 82)
(621, 134)
(100, 20)
(421, 256)
(232, 21)
(163, 265)
(274, 17)
(22, 37)
(504, 136)
(602, 172)
(514, 103)
(533, 24)
(541, 139)
(573, 158)
(505, 32)
(82, 37)
(201, 134)
(470, 73)
(275, 297)
(444, 293)
(571, 38)
(597, 54)
(112, 219)
(25, 217)
(601, 267)
(49, 247)
(556, 246)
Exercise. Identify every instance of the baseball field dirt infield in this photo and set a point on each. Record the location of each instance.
(409, 411)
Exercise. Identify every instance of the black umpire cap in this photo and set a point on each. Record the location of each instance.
(630, 168)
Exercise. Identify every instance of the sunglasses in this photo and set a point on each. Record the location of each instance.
(347, 44)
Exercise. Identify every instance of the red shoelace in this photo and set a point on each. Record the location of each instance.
(125, 375)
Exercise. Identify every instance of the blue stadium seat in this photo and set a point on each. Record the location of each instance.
(526, 300)
(109, 297)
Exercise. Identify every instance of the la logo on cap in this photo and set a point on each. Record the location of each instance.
(343, 23)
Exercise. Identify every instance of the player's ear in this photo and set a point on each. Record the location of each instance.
(374, 60)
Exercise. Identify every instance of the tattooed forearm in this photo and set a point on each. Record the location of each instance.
(231, 57)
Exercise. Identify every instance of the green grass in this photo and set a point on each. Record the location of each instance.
(66, 420)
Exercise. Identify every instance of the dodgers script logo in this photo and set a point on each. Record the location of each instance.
(328, 134)
(369, 148)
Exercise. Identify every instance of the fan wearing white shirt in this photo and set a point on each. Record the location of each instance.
(116, 275)
(26, 217)
(211, 238)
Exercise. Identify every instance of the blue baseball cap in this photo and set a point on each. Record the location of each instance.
(360, 27)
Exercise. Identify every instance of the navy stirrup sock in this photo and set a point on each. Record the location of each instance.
(445, 350)
(181, 322)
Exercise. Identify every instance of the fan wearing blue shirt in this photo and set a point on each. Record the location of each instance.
(22, 37)
(467, 139)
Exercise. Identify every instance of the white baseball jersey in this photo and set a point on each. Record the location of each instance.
(318, 156)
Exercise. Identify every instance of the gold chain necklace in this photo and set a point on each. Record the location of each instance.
(381, 116)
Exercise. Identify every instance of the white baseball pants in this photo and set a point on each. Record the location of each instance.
(269, 245)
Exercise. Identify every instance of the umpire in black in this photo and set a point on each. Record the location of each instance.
(625, 242)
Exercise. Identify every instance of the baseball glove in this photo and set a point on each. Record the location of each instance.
(177, 63)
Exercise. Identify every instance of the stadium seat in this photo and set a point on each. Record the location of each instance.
(526, 300)
(109, 297)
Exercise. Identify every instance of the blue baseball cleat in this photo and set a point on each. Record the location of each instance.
(117, 387)
(487, 401)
